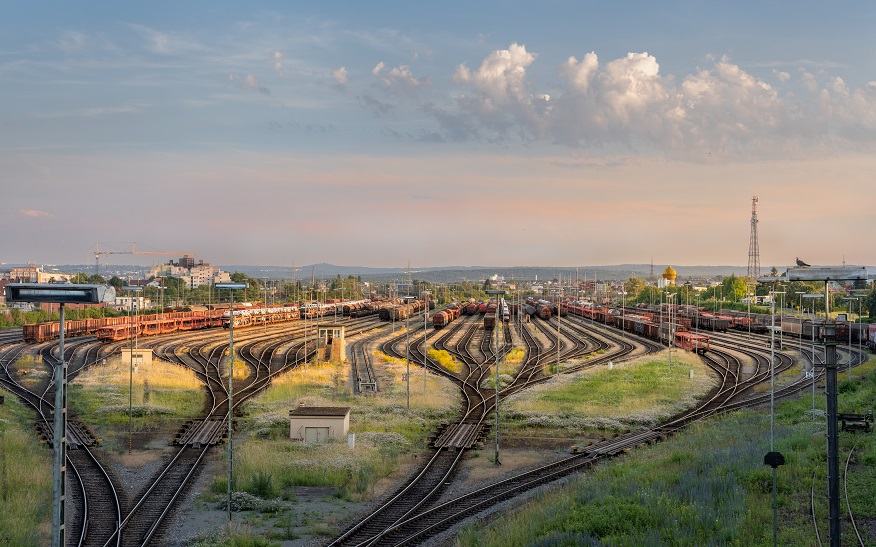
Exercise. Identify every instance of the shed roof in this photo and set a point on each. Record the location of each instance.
(320, 411)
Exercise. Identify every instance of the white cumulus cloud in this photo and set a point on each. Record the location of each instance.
(340, 76)
(501, 76)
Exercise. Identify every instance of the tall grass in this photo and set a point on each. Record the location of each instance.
(443, 358)
(705, 486)
(163, 394)
(238, 536)
(631, 394)
(385, 429)
(25, 478)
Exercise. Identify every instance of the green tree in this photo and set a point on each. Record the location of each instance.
(870, 302)
(117, 282)
(735, 288)
(649, 294)
(634, 285)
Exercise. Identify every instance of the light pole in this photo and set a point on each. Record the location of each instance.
(558, 334)
(265, 307)
(812, 334)
(623, 310)
(231, 287)
(61, 294)
(781, 321)
(425, 326)
(407, 353)
(670, 331)
(498, 293)
(849, 323)
(800, 294)
(748, 297)
(773, 459)
(131, 291)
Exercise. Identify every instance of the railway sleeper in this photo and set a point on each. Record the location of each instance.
(197, 434)
(77, 435)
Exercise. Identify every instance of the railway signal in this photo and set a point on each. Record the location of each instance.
(827, 274)
(61, 294)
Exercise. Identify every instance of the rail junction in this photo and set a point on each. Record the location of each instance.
(104, 512)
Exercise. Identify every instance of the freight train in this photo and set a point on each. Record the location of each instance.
(245, 314)
(646, 324)
(401, 312)
(759, 323)
(540, 308)
(444, 317)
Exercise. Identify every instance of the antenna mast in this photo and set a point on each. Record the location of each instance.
(753, 247)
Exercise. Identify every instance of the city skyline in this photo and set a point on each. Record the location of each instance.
(378, 134)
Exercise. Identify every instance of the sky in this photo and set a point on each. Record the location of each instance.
(452, 133)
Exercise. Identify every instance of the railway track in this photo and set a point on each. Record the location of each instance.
(93, 501)
(398, 513)
(430, 520)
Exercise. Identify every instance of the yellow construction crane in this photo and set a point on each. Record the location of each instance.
(132, 251)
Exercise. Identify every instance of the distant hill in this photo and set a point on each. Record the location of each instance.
(451, 274)
(444, 274)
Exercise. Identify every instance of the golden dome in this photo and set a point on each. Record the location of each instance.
(669, 273)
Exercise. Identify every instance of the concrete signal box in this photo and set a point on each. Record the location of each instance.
(330, 342)
(141, 357)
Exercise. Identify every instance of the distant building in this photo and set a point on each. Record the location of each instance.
(35, 274)
(123, 303)
(668, 278)
(192, 274)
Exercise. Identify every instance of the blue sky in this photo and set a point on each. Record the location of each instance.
(385, 132)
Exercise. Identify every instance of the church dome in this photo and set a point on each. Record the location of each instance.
(669, 273)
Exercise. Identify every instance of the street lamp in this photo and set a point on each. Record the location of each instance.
(748, 297)
(800, 294)
(671, 334)
(425, 326)
(230, 287)
(849, 322)
(61, 294)
(812, 334)
(498, 293)
(131, 290)
(407, 350)
(265, 307)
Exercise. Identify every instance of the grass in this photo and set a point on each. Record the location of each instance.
(30, 370)
(239, 536)
(443, 358)
(163, 394)
(25, 478)
(515, 357)
(633, 394)
(706, 486)
(241, 370)
(387, 433)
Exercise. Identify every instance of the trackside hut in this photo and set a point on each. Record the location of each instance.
(316, 424)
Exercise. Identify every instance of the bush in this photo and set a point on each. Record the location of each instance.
(262, 485)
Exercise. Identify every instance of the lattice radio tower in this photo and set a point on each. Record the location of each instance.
(753, 248)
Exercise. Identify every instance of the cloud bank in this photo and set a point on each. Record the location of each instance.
(719, 112)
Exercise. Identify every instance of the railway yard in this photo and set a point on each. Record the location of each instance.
(160, 479)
